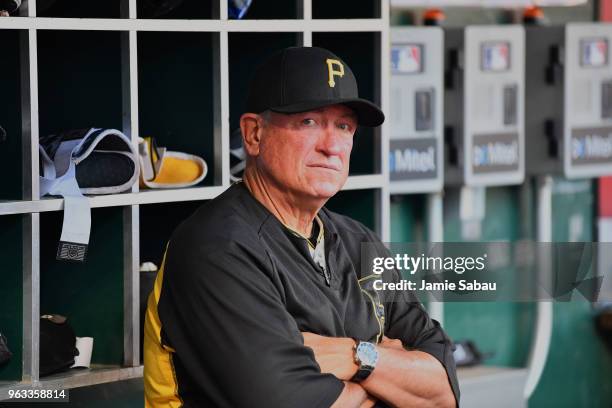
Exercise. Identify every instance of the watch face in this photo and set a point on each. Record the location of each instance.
(367, 354)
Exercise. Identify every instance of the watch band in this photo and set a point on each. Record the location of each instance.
(362, 373)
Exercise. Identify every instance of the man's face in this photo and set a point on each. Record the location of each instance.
(308, 153)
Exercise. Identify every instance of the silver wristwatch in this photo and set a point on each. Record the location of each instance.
(366, 357)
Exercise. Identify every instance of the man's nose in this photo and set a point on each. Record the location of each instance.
(332, 142)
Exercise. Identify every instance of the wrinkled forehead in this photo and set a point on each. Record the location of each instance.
(332, 111)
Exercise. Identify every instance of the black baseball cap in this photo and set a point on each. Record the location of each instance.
(299, 79)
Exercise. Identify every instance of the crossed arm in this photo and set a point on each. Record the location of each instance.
(402, 378)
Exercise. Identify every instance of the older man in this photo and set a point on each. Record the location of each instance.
(260, 301)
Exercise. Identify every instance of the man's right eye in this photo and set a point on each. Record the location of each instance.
(308, 122)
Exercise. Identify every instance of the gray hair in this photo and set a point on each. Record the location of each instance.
(266, 115)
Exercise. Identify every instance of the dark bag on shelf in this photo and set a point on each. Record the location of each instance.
(10, 6)
(57, 344)
(5, 353)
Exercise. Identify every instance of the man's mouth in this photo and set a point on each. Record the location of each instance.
(325, 166)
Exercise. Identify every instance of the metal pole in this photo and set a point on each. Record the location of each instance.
(544, 315)
(435, 229)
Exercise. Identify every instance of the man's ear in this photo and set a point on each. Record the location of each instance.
(250, 125)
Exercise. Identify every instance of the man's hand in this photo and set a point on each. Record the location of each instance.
(334, 354)
(401, 378)
(391, 343)
(406, 377)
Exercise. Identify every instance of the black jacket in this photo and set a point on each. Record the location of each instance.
(236, 290)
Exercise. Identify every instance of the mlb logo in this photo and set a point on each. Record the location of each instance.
(406, 59)
(496, 57)
(595, 53)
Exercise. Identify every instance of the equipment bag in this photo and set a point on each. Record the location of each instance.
(163, 168)
(57, 344)
(84, 161)
(10, 6)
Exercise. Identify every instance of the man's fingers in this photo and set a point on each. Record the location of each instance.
(391, 343)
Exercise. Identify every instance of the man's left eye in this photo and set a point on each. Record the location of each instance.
(344, 126)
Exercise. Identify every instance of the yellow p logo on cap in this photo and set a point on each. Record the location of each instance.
(331, 71)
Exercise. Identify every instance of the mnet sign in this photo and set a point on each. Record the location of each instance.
(591, 147)
(494, 153)
(411, 159)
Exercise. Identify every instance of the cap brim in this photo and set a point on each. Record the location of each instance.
(368, 114)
